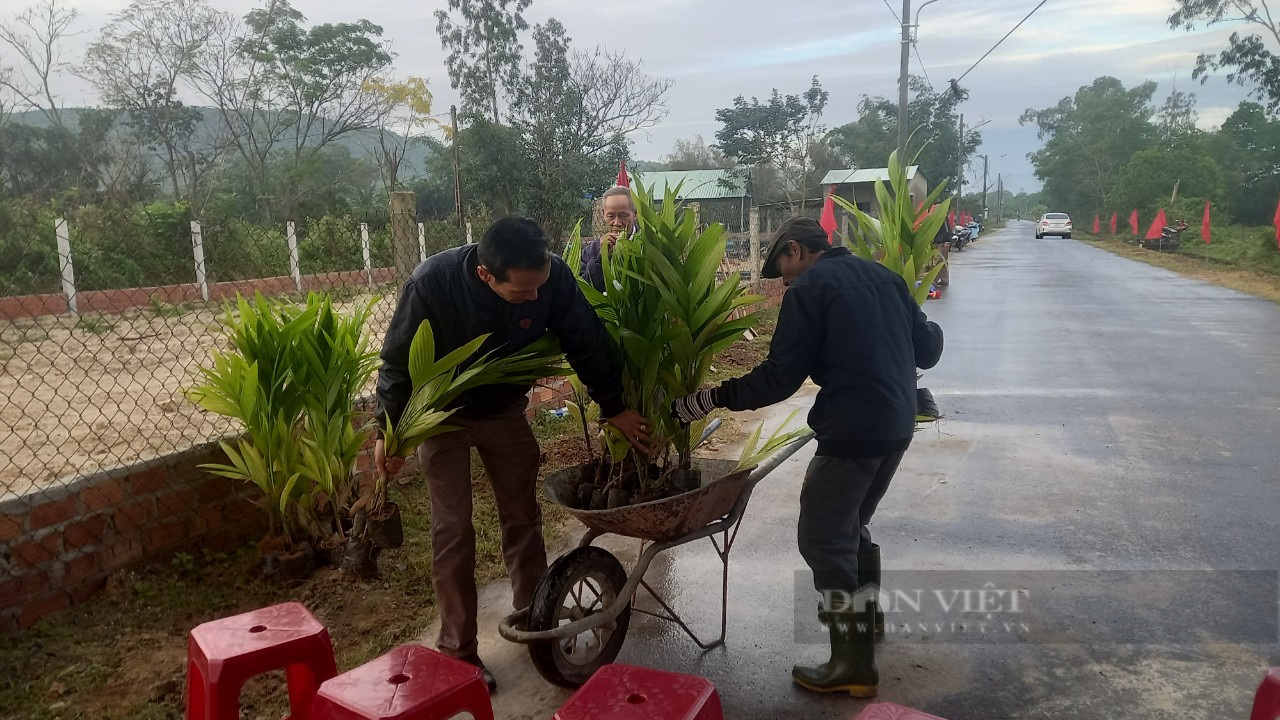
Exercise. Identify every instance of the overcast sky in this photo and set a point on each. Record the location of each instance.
(715, 50)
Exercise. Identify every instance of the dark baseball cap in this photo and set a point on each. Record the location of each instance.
(796, 228)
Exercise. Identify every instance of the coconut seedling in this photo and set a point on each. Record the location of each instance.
(666, 315)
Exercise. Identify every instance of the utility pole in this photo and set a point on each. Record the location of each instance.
(999, 198)
(960, 170)
(984, 188)
(902, 79)
(457, 174)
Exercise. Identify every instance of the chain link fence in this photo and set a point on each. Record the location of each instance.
(105, 319)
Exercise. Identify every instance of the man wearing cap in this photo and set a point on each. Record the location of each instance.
(852, 326)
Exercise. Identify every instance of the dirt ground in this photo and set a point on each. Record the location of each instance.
(91, 393)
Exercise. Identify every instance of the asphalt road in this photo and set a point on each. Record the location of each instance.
(1109, 461)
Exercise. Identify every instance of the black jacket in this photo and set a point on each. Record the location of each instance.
(852, 326)
(591, 265)
(460, 306)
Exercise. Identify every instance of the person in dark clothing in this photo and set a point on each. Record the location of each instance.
(509, 285)
(852, 326)
(618, 211)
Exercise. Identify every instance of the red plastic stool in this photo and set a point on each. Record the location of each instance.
(1266, 703)
(626, 692)
(893, 711)
(409, 683)
(223, 654)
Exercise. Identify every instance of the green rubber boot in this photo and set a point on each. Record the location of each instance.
(868, 573)
(852, 667)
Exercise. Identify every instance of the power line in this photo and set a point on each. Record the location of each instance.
(892, 11)
(922, 69)
(1006, 37)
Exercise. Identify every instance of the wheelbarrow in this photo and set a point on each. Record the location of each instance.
(578, 618)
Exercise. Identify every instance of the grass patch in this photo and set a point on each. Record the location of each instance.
(1240, 258)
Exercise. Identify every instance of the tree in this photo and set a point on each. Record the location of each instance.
(777, 136)
(404, 113)
(1149, 178)
(694, 154)
(484, 51)
(36, 37)
(141, 61)
(1247, 59)
(573, 116)
(617, 97)
(1177, 117)
(281, 87)
(1088, 140)
(1248, 150)
(864, 142)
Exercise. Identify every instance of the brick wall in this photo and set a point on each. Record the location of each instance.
(58, 547)
(116, 301)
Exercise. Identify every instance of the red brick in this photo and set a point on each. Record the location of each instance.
(173, 503)
(166, 534)
(135, 515)
(108, 493)
(13, 592)
(42, 608)
(153, 479)
(78, 568)
(52, 513)
(10, 527)
(209, 518)
(88, 531)
(87, 589)
(34, 553)
(120, 554)
(215, 489)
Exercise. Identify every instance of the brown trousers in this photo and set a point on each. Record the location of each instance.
(510, 456)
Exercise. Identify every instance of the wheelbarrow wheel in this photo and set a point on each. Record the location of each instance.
(581, 583)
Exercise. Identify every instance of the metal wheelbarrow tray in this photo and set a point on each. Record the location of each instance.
(578, 618)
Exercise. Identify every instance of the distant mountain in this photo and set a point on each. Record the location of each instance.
(358, 143)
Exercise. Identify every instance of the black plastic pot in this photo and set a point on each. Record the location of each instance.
(360, 559)
(298, 563)
(618, 497)
(599, 500)
(386, 531)
(926, 406)
(686, 480)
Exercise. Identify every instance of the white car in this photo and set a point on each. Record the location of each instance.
(1054, 224)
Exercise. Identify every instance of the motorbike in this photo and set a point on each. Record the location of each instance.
(962, 237)
(1169, 240)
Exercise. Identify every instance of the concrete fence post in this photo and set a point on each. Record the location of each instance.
(368, 257)
(403, 206)
(197, 249)
(64, 262)
(295, 267)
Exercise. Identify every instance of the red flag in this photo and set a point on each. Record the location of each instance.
(1277, 223)
(1113, 223)
(1204, 224)
(952, 217)
(828, 220)
(1133, 222)
(1153, 232)
(623, 180)
(1097, 225)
